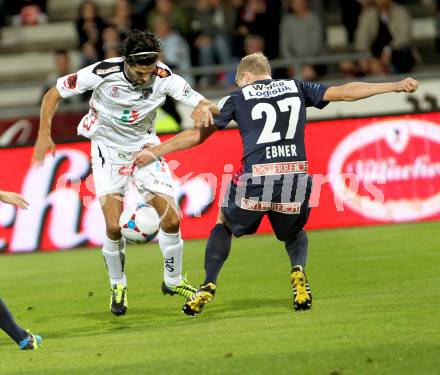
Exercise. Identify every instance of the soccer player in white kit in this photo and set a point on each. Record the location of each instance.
(127, 91)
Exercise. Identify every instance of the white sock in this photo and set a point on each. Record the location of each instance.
(171, 245)
(114, 256)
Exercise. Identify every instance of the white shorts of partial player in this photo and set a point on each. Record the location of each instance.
(113, 170)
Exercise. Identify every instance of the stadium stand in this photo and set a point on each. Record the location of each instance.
(26, 51)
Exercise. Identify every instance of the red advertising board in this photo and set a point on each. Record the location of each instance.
(376, 170)
(366, 171)
(24, 130)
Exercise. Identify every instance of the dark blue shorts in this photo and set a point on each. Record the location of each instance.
(287, 207)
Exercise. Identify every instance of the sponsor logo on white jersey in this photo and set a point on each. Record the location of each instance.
(146, 93)
(113, 69)
(115, 92)
(187, 90)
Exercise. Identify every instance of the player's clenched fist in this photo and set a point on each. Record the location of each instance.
(144, 157)
(203, 114)
(407, 85)
(202, 117)
(43, 145)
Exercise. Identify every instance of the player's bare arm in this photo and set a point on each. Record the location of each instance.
(360, 90)
(203, 114)
(182, 141)
(13, 198)
(44, 140)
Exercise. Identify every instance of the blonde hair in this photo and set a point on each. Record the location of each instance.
(255, 63)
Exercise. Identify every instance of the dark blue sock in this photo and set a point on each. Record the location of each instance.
(7, 324)
(297, 249)
(217, 251)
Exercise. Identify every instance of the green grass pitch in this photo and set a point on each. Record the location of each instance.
(376, 309)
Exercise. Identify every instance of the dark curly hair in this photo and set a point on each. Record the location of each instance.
(140, 41)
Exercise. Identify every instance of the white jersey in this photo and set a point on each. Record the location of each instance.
(121, 113)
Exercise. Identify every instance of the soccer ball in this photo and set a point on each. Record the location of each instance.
(139, 224)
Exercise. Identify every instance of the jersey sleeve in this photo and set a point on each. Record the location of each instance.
(227, 109)
(176, 87)
(313, 94)
(79, 82)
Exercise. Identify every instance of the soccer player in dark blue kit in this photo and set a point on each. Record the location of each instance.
(24, 339)
(271, 117)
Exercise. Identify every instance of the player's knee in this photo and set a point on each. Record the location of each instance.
(170, 224)
(113, 231)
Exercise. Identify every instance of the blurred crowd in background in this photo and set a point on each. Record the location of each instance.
(208, 32)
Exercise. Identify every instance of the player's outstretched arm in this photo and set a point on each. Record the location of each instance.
(361, 90)
(181, 141)
(13, 198)
(44, 140)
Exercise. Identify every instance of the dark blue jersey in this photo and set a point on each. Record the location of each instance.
(271, 117)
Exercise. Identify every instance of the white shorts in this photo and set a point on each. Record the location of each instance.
(114, 170)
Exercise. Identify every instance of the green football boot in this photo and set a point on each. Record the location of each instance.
(118, 299)
(184, 289)
(32, 342)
